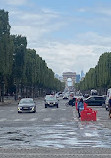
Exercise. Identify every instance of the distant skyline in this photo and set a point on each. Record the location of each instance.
(68, 35)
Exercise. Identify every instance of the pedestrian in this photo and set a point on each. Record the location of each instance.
(19, 97)
(80, 106)
(110, 107)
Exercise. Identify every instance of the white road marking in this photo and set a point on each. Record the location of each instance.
(12, 110)
(3, 119)
(62, 109)
(42, 110)
(32, 119)
(47, 119)
(63, 119)
(17, 120)
(2, 110)
(54, 109)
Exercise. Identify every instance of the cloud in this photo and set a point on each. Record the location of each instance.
(98, 10)
(32, 33)
(79, 53)
(15, 2)
(37, 17)
(82, 10)
(104, 11)
(74, 57)
(37, 23)
(93, 38)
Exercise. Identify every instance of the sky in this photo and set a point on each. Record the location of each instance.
(70, 35)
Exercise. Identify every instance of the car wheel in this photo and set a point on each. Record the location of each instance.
(45, 106)
(57, 105)
(103, 105)
(107, 109)
(34, 111)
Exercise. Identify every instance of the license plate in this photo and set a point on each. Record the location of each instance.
(25, 108)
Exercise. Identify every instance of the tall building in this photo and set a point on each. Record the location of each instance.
(58, 77)
(82, 74)
(78, 78)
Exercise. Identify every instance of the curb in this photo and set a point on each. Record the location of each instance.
(7, 102)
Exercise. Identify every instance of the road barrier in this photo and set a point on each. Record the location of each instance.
(88, 114)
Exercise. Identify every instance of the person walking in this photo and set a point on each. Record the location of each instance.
(110, 107)
(80, 107)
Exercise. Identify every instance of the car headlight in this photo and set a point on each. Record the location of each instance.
(55, 102)
(32, 108)
(19, 108)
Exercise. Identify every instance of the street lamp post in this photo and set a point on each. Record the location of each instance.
(15, 90)
(19, 95)
(32, 91)
(2, 92)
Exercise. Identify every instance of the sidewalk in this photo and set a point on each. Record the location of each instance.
(8, 101)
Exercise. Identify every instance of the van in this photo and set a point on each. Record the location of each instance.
(107, 98)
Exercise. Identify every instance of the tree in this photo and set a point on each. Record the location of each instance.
(6, 51)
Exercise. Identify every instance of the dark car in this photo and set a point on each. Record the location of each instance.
(95, 100)
(72, 101)
(51, 100)
(86, 95)
(26, 105)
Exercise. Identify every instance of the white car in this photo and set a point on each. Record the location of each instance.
(66, 96)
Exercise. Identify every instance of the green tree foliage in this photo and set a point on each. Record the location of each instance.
(19, 54)
(6, 45)
(21, 65)
(100, 76)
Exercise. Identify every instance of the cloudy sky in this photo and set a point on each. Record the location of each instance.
(70, 35)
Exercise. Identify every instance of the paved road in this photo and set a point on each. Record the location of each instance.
(53, 132)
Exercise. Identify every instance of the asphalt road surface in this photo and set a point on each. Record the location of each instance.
(53, 132)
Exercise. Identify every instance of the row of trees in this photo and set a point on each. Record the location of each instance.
(22, 70)
(99, 77)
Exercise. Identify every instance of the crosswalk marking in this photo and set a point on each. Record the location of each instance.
(2, 110)
(17, 120)
(33, 119)
(42, 110)
(63, 109)
(47, 119)
(63, 119)
(3, 119)
(12, 110)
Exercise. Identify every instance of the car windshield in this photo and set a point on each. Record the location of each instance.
(50, 97)
(26, 101)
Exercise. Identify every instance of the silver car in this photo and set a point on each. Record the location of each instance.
(51, 100)
(27, 105)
